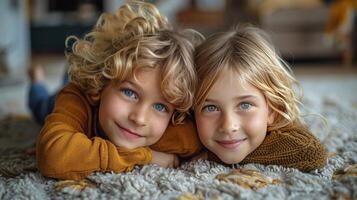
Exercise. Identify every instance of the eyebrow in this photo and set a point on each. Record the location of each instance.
(242, 97)
(136, 86)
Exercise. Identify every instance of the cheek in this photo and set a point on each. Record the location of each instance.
(159, 125)
(256, 124)
(111, 106)
(204, 128)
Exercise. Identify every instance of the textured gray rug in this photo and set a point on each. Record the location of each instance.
(19, 178)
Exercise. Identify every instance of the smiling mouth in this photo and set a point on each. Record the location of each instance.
(128, 134)
(231, 144)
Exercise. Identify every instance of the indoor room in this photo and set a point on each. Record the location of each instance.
(315, 42)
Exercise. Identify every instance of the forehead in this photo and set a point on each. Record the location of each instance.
(231, 83)
(147, 82)
(146, 74)
(145, 78)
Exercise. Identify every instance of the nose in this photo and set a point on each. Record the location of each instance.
(229, 123)
(138, 115)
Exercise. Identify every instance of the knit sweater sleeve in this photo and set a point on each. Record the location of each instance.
(296, 147)
(64, 149)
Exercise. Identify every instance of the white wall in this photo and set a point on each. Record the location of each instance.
(14, 33)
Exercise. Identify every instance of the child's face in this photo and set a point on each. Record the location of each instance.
(234, 118)
(134, 112)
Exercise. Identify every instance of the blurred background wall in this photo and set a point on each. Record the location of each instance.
(304, 30)
(15, 37)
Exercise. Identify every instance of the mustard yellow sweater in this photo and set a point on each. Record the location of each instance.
(69, 147)
(293, 146)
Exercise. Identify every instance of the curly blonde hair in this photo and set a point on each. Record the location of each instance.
(246, 51)
(134, 37)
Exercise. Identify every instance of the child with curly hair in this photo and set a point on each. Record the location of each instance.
(246, 110)
(132, 81)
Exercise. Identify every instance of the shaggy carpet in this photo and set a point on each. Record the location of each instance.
(200, 179)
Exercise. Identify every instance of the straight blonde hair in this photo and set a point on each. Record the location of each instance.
(246, 51)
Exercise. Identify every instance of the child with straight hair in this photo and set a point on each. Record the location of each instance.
(132, 81)
(246, 110)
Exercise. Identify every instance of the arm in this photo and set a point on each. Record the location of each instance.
(296, 148)
(181, 139)
(164, 159)
(65, 151)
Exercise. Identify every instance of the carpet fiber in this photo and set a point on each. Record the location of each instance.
(200, 179)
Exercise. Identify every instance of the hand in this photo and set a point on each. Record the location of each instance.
(164, 159)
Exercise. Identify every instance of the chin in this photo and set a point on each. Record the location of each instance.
(126, 146)
(230, 160)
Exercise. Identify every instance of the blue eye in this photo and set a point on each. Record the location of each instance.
(209, 108)
(129, 93)
(245, 105)
(160, 107)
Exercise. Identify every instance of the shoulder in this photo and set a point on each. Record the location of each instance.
(72, 109)
(298, 134)
(72, 100)
(75, 95)
(71, 89)
(300, 141)
(293, 146)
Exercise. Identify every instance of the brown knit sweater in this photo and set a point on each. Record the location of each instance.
(294, 147)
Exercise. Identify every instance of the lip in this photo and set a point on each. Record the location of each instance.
(128, 134)
(231, 144)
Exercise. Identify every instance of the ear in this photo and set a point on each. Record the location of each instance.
(271, 117)
(93, 98)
